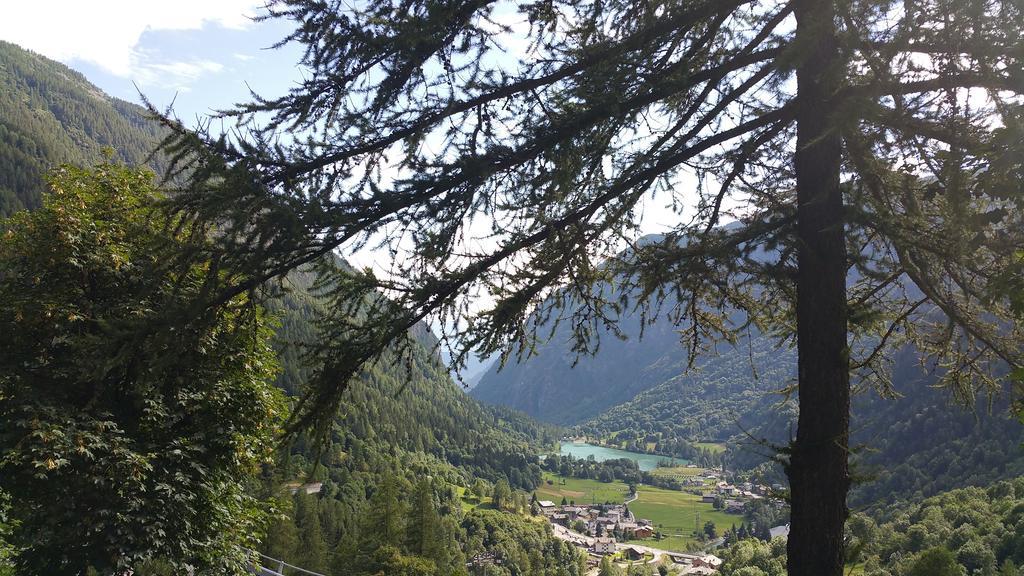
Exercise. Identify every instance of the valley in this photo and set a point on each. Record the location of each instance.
(225, 351)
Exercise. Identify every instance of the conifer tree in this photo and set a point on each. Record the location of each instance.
(423, 530)
(869, 151)
(312, 549)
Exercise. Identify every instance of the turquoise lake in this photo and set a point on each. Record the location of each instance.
(582, 450)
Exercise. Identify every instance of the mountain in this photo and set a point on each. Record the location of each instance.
(639, 394)
(415, 408)
(50, 114)
(550, 388)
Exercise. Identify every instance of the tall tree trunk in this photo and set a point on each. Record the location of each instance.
(818, 472)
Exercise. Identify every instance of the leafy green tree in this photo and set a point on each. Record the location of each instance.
(132, 428)
(6, 550)
(606, 568)
(935, 562)
(502, 495)
(426, 134)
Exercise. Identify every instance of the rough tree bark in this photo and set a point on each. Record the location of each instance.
(818, 471)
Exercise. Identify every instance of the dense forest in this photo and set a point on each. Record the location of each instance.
(50, 114)
(968, 531)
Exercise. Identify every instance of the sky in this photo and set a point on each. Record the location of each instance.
(202, 55)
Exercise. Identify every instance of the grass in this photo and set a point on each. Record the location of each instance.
(714, 447)
(582, 491)
(678, 472)
(676, 515)
(470, 502)
(673, 512)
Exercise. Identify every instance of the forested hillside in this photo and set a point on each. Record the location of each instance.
(415, 408)
(552, 387)
(639, 394)
(966, 531)
(50, 114)
(406, 448)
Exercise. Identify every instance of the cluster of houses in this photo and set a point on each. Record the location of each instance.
(696, 564)
(601, 521)
(733, 497)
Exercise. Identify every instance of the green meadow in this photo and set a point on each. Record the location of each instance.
(675, 513)
(581, 491)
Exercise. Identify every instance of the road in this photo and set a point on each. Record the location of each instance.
(584, 541)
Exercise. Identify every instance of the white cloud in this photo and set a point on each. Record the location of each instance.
(172, 74)
(107, 32)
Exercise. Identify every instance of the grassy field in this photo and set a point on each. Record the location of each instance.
(581, 491)
(469, 502)
(677, 472)
(714, 447)
(676, 515)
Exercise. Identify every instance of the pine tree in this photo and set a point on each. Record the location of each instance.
(312, 550)
(423, 529)
(875, 200)
(282, 540)
(384, 519)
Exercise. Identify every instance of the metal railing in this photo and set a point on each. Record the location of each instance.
(268, 566)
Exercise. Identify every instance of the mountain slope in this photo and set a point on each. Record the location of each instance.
(549, 388)
(50, 114)
(415, 408)
(638, 394)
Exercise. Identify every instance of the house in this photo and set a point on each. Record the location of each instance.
(562, 519)
(708, 498)
(483, 559)
(734, 506)
(708, 561)
(780, 532)
(604, 546)
(643, 532)
(634, 553)
(573, 511)
(309, 488)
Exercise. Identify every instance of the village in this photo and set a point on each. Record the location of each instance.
(606, 524)
(611, 529)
